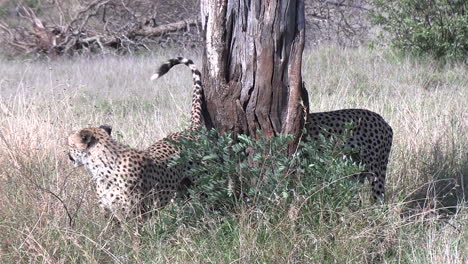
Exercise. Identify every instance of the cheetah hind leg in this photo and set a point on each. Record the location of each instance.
(374, 179)
(183, 189)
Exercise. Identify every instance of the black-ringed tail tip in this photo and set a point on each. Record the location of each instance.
(197, 86)
(165, 67)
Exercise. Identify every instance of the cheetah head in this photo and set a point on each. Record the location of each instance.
(82, 141)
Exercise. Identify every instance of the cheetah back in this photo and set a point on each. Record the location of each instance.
(370, 135)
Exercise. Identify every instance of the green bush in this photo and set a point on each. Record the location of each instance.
(260, 174)
(420, 27)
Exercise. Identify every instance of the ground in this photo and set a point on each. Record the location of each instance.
(41, 102)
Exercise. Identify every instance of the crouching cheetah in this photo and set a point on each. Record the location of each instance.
(131, 183)
(369, 135)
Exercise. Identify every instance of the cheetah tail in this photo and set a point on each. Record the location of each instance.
(196, 121)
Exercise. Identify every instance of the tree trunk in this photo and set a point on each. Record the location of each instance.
(252, 66)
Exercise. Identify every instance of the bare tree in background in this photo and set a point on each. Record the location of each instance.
(69, 26)
(342, 22)
(252, 66)
(66, 27)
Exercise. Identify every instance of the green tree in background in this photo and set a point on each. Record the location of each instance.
(422, 27)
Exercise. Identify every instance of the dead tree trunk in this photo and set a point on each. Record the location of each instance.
(252, 66)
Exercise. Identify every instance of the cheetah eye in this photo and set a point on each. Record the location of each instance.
(87, 137)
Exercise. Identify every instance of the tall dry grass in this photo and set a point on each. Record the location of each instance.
(47, 208)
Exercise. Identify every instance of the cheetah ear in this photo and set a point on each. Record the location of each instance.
(106, 128)
(87, 138)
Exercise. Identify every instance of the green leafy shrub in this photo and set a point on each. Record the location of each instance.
(260, 174)
(420, 27)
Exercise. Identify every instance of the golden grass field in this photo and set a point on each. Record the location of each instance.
(41, 102)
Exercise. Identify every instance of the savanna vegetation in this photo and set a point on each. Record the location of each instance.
(65, 65)
(48, 212)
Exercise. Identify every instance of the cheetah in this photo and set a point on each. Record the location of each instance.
(131, 183)
(370, 135)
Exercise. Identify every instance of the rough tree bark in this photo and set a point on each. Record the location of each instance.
(252, 66)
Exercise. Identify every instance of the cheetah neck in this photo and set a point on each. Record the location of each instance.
(103, 159)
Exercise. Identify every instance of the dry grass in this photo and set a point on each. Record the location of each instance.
(40, 102)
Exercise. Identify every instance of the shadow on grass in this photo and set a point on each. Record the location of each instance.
(447, 182)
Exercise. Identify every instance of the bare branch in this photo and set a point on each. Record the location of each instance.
(160, 30)
(97, 26)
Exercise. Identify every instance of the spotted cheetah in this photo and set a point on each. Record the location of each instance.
(131, 183)
(370, 136)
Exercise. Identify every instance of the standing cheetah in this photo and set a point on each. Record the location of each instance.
(131, 183)
(370, 136)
